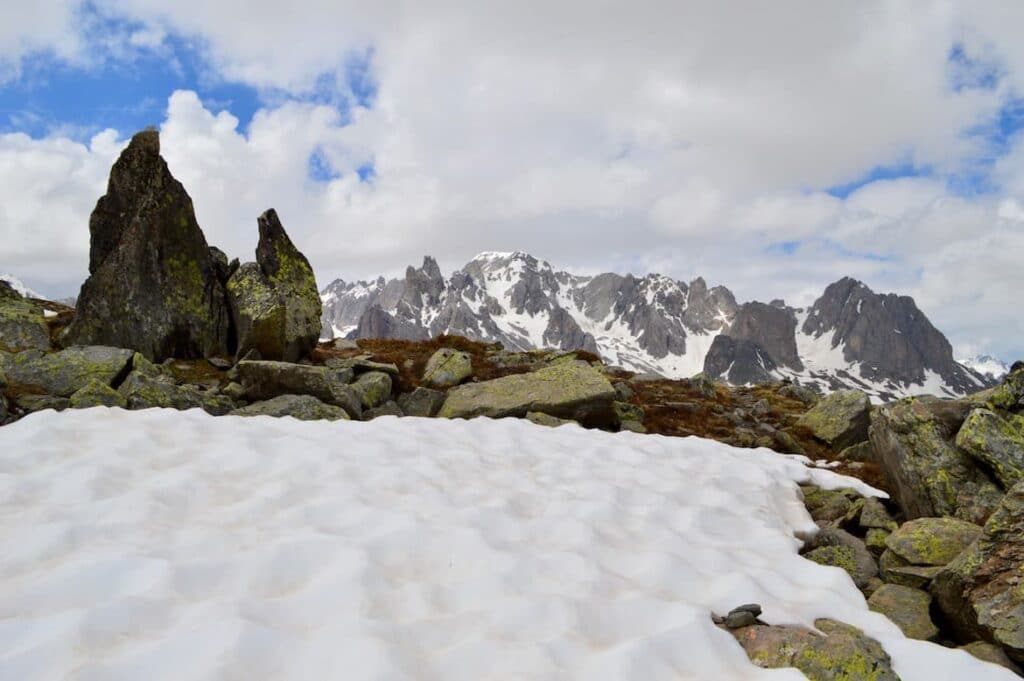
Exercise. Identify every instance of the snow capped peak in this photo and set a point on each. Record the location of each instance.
(20, 287)
(986, 365)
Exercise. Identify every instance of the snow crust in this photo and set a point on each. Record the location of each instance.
(175, 545)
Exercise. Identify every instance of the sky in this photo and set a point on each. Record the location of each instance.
(770, 147)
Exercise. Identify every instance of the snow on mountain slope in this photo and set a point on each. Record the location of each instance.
(20, 287)
(850, 337)
(193, 547)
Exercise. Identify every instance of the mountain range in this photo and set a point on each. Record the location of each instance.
(851, 337)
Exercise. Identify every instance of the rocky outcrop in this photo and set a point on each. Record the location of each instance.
(980, 591)
(22, 323)
(301, 407)
(153, 283)
(567, 390)
(62, 374)
(274, 302)
(840, 420)
(913, 440)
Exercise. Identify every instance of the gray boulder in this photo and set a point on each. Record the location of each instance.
(997, 441)
(146, 392)
(932, 541)
(447, 368)
(421, 402)
(274, 302)
(153, 282)
(61, 374)
(913, 442)
(980, 592)
(908, 608)
(838, 652)
(263, 380)
(373, 388)
(97, 394)
(838, 548)
(301, 407)
(840, 419)
(566, 390)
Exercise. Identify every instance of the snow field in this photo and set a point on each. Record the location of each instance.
(175, 545)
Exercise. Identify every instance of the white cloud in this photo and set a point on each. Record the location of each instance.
(684, 137)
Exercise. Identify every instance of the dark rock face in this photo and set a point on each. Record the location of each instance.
(887, 333)
(771, 328)
(564, 333)
(738, 361)
(153, 284)
(274, 302)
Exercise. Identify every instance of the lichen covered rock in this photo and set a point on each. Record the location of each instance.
(302, 407)
(373, 388)
(913, 440)
(153, 283)
(838, 548)
(908, 608)
(932, 541)
(565, 390)
(840, 419)
(61, 374)
(274, 302)
(263, 380)
(22, 323)
(980, 592)
(447, 368)
(997, 441)
(147, 392)
(421, 402)
(843, 652)
(97, 394)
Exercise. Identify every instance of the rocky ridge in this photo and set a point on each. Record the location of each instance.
(851, 337)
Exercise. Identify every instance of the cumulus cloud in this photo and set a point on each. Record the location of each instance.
(680, 137)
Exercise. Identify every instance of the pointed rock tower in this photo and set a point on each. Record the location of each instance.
(274, 301)
(154, 284)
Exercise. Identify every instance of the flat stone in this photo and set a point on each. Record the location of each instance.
(301, 407)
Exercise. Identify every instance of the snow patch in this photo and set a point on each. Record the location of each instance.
(175, 545)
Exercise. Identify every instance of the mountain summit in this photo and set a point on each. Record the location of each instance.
(851, 337)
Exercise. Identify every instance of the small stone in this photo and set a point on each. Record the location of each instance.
(421, 402)
(752, 608)
(761, 409)
(741, 618)
(542, 419)
(373, 388)
(875, 540)
(875, 515)
(389, 408)
(633, 427)
(220, 363)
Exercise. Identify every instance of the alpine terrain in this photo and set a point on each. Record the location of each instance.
(851, 337)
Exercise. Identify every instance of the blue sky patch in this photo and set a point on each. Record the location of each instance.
(783, 248)
(889, 172)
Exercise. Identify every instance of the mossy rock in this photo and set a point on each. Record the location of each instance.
(828, 505)
(97, 394)
(840, 419)
(33, 403)
(422, 402)
(263, 380)
(626, 411)
(373, 388)
(932, 541)
(145, 392)
(908, 608)
(862, 451)
(997, 441)
(875, 515)
(842, 653)
(301, 407)
(564, 390)
(63, 373)
(990, 652)
(896, 570)
(546, 420)
(874, 539)
(447, 367)
(913, 441)
(980, 591)
(22, 322)
(1009, 394)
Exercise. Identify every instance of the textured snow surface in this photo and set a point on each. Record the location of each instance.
(175, 545)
